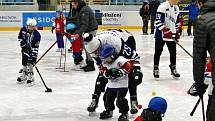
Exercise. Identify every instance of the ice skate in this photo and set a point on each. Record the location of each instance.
(156, 72)
(30, 78)
(123, 117)
(21, 79)
(174, 72)
(94, 104)
(106, 114)
(134, 109)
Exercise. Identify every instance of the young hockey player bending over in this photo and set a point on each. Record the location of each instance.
(116, 70)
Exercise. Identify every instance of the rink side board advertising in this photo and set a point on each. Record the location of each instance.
(10, 19)
(121, 18)
(44, 19)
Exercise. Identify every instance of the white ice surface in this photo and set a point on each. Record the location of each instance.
(72, 90)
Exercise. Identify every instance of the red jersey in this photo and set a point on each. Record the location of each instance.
(208, 67)
(59, 25)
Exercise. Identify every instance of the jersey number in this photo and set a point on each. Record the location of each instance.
(127, 50)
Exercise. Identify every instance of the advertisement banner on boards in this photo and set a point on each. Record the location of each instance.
(44, 19)
(121, 18)
(10, 19)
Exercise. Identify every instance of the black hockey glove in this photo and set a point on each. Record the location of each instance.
(52, 30)
(113, 73)
(197, 89)
(137, 77)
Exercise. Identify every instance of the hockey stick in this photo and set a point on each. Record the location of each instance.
(194, 108)
(183, 48)
(46, 52)
(203, 108)
(47, 89)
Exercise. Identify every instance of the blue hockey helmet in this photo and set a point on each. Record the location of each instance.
(107, 53)
(159, 104)
(70, 26)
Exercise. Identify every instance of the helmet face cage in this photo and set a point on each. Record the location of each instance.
(107, 53)
(159, 104)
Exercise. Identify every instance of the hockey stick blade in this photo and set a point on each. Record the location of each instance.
(196, 105)
(48, 90)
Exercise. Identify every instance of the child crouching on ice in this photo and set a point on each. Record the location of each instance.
(116, 69)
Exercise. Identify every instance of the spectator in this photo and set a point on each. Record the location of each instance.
(194, 10)
(153, 6)
(144, 13)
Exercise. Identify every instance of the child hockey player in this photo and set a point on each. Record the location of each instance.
(125, 45)
(58, 25)
(116, 71)
(77, 45)
(29, 39)
(208, 83)
(155, 111)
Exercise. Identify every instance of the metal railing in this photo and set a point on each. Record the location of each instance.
(14, 2)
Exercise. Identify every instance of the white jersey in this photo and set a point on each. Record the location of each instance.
(110, 37)
(121, 82)
(166, 17)
(208, 81)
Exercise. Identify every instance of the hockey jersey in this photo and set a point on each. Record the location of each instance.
(118, 39)
(166, 16)
(208, 77)
(32, 39)
(59, 24)
(121, 82)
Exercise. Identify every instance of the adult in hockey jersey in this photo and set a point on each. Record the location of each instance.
(156, 109)
(29, 39)
(125, 45)
(116, 71)
(58, 25)
(165, 24)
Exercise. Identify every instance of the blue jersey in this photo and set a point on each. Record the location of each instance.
(29, 40)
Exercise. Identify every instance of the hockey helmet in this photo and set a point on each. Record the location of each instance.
(159, 104)
(93, 45)
(107, 53)
(70, 28)
(31, 22)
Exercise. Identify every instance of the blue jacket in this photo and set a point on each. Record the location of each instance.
(193, 11)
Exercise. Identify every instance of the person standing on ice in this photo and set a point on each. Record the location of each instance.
(166, 33)
(86, 23)
(58, 25)
(204, 42)
(29, 39)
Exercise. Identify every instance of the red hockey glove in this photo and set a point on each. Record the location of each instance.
(167, 33)
(68, 35)
(102, 69)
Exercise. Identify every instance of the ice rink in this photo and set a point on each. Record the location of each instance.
(72, 90)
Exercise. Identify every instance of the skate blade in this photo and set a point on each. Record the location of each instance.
(132, 116)
(92, 114)
(20, 82)
(30, 84)
(156, 79)
(176, 78)
(59, 68)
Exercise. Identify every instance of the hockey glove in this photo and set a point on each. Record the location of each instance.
(197, 89)
(167, 33)
(102, 69)
(113, 73)
(137, 77)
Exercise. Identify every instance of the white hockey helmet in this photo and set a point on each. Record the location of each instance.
(92, 45)
(31, 22)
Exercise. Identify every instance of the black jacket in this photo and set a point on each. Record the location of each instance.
(204, 40)
(153, 6)
(86, 20)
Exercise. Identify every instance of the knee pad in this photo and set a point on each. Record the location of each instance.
(101, 83)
